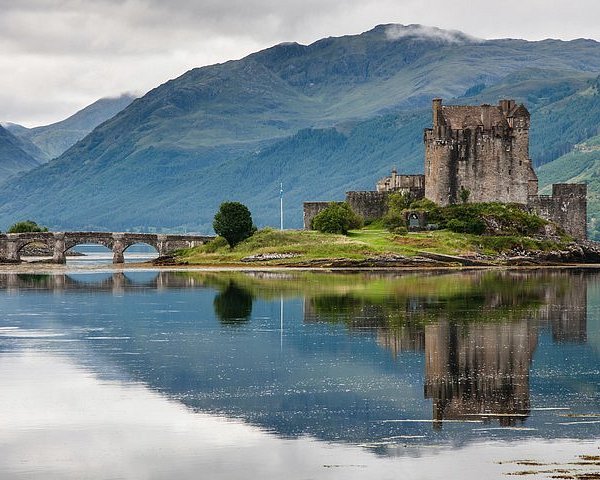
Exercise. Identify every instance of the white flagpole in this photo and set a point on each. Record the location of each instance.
(281, 324)
(281, 206)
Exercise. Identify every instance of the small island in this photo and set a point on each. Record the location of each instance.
(476, 205)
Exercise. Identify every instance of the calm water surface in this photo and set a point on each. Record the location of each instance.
(302, 375)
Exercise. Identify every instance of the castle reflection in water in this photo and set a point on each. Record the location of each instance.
(480, 369)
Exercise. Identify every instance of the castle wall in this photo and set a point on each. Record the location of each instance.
(311, 209)
(567, 207)
(486, 163)
(369, 205)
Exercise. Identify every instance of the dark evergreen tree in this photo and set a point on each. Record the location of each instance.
(233, 222)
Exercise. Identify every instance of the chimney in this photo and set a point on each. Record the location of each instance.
(437, 112)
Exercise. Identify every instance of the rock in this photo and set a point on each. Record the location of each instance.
(167, 260)
(263, 257)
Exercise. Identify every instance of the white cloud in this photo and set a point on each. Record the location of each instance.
(57, 56)
(396, 32)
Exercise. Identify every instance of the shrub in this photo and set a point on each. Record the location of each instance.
(393, 220)
(26, 226)
(434, 212)
(424, 204)
(398, 201)
(233, 222)
(215, 245)
(473, 225)
(464, 194)
(400, 231)
(456, 225)
(478, 218)
(338, 217)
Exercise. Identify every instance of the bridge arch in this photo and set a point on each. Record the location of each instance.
(11, 244)
(130, 247)
(21, 244)
(148, 243)
(88, 251)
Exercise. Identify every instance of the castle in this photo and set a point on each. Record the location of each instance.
(479, 154)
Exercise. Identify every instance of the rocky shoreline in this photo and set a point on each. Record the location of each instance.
(581, 253)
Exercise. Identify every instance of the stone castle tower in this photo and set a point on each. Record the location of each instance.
(481, 150)
(484, 150)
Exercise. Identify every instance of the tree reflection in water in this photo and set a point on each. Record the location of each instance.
(233, 305)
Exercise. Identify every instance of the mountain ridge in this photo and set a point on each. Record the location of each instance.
(209, 135)
(54, 139)
(14, 157)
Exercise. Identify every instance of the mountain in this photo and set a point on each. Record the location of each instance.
(13, 157)
(322, 118)
(52, 140)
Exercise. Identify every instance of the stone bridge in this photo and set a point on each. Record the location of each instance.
(59, 243)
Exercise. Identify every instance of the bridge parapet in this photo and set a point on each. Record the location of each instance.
(60, 242)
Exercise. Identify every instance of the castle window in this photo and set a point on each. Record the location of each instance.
(510, 172)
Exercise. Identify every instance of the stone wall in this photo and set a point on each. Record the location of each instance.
(311, 209)
(415, 220)
(567, 207)
(369, 205)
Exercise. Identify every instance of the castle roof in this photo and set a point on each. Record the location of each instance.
(459, 117)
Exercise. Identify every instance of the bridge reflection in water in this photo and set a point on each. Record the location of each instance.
(59, 243)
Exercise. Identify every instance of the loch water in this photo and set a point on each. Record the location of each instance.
(299, 375)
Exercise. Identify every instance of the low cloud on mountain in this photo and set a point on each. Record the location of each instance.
(58, 56)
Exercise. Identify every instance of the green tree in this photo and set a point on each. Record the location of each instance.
(394, 219)
(233, 222)
(338, 217)
(26, 226)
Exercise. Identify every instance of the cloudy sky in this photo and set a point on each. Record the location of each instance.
(57, 56)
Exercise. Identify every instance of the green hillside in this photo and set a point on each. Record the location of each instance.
(324, 118)
(252, 177)
(13, 157)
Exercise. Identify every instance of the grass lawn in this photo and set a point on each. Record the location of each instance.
(358, 244)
